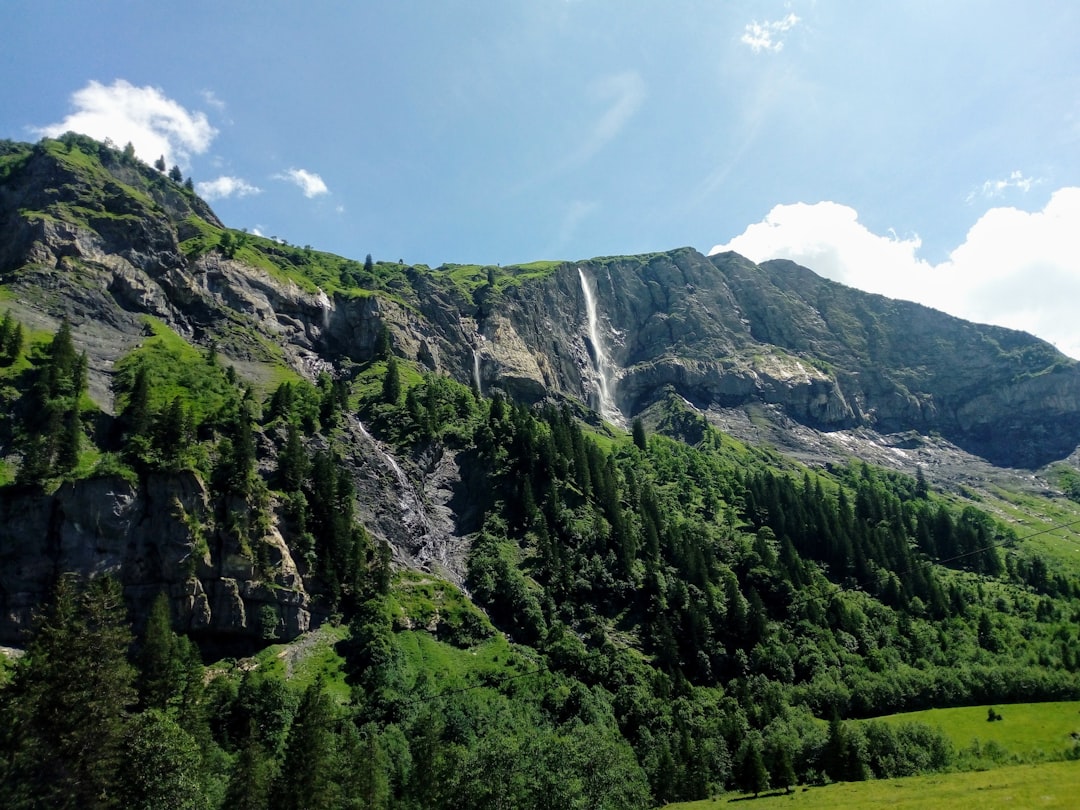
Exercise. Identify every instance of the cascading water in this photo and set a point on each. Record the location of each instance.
(476, 372)
(601, 366)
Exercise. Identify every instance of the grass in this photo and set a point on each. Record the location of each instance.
(1028, 731)
(177, 369)
(1041, 524)
(446, 668)
(312, 656)
(1047, 785)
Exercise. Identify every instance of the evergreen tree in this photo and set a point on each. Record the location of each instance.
(159, 164)
(14, 344)
(162, 659)
(754, 777)
(391, 387)
(70, 442)
(7, 326)
(74, 688)
(783, 769)
(639, 435)
(292, 461)
(175, 174)
(382, 343)
(308, 779)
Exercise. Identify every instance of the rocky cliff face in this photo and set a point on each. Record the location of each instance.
(728, 334)
(153, 538)
(104, 243)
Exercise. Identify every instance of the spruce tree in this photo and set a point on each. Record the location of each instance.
(640, 440)
(308, 778)
(69, 442)
(391, 387)
(75, 687)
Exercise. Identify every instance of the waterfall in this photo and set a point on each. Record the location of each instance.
(601, 366)
(476, 372)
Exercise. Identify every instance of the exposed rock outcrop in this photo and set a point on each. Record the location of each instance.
(152, 537)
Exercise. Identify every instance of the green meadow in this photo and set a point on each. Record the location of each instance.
(1046, 785)
(1027, 732)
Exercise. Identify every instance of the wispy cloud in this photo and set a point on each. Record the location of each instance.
(310, 183)
(622, 94)
(575, 214)
(152, 122)
(212, 100)
(226, 186)
(1015, 268)
(765, 36)
(997, 188)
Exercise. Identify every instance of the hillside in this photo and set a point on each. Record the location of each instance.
(599, 533)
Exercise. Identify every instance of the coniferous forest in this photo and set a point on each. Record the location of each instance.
(662, 615)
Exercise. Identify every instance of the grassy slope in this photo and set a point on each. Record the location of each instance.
(1029, 731)
(1048, 785)
(1042, 524)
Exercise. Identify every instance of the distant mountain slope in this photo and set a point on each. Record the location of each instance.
(99, 238)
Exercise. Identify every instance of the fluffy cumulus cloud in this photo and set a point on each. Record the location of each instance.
(766, 36)
(308, 182)
(226, 186)
(1016, 268)
(153, 123)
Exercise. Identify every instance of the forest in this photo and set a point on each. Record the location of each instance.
(653, 616)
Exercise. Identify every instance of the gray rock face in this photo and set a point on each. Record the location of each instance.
(149, 537)
(728, 333)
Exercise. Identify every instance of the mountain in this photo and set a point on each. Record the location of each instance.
(640, 478)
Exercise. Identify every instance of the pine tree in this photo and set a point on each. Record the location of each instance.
(292, 461)
(75, 686)
(382, 343)
(14, 344)
(784, 770)
(136, 414)
(69, 442)
(7, 326)
(754, 777)
(163, 665)
(391, 387)
(309, 772)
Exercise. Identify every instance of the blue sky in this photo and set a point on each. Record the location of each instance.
(924, 149)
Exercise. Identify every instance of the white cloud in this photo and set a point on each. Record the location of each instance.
(765, 36)
(226, 186)
(211, 98)
(1015, 268)
(997, 188)
(310, 183)
(144, 116)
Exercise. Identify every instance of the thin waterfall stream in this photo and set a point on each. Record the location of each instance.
(601, 364)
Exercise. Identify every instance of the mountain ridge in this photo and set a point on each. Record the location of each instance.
(212, 443)
(765, 351)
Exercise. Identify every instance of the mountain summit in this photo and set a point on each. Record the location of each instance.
(98, 238)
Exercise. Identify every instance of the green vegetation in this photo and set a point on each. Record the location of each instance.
(697, 614)
(643, 618)
(1021, 732)
(1049, 785)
